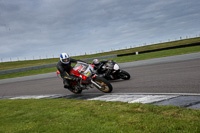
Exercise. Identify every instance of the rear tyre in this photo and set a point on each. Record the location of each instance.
(76, 91)
(106, 87)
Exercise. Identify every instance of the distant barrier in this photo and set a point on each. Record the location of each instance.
(48, 65)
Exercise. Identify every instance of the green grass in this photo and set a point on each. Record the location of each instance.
(151, 55)
(29, 63)
(20, 64)
(28, 73)
(64, 115)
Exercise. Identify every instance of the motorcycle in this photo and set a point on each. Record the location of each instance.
(114, 71)
(88, 79)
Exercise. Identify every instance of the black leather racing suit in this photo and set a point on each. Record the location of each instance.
(99, 68)
(102, 71)
(65, 69)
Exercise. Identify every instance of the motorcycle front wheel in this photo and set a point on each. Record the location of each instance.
(124, 75)
(102, 84)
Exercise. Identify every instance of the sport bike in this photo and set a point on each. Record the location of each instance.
(114, 71)
(88, 79)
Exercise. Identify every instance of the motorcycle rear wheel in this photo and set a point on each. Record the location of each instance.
(106, 87)
(75, 91)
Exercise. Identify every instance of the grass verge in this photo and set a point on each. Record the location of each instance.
(122, 59)
(64, 115)
(158, 54)
(28, 73)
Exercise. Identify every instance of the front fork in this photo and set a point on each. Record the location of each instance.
(94, 83)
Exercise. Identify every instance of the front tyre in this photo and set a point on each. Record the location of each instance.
(124, 75)
(102, 84)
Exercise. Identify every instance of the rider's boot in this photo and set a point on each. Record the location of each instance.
(66, 84)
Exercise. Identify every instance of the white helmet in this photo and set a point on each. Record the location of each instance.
(64, 58)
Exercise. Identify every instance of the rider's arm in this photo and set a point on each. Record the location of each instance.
(102, 66)
(75, 61)
(63, 73)
(99, 67)
(104, 61)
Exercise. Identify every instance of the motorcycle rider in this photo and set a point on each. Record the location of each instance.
(100, 67)
(64, 67)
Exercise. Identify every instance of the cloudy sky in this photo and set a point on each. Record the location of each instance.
(46, 28)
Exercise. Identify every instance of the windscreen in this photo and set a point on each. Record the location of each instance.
(81, 67)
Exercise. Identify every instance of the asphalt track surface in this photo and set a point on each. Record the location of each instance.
(176, 74)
